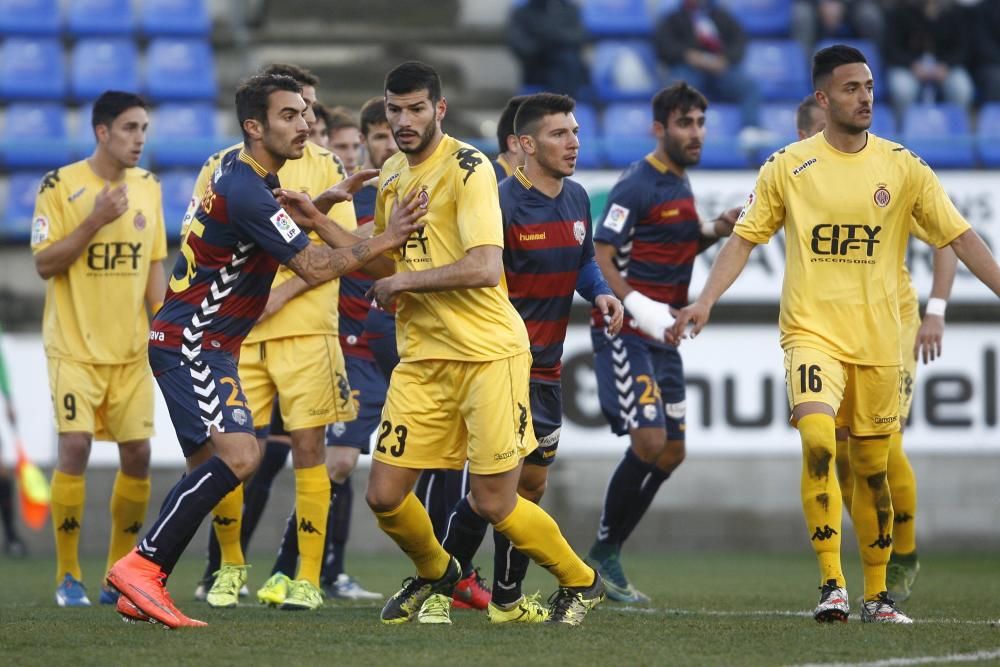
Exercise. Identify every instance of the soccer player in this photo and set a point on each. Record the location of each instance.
(548, 254)
(848, 201)
(460, 391)
(13, 544)
(218, 289)
(926, 337)
(646, 244)
(345, 137)
(99, 241)
(510, 155)
(319, 130)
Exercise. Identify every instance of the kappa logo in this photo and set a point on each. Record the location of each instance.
(579, 231)
(823, 533)
(49, 180)
(69, 524)
(522, 421)
(389, 181)
(802, 167)
(885, 420)
(133, 529)
(306, 526)
(902, 517)
(76, 194)
(223, 520)
(468, 159)
(883, 542)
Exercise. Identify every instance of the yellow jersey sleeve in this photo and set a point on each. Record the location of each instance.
(936, 221)
(764, 212)
(48, 224)
(477, 200)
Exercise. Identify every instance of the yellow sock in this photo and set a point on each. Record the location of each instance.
(68, 493)
(410, 527)
(821, 501)
(312, 505)
(903, 488)
(872, 510)
(535, 534)
(844, 476)
(129, 499)
(227, 520)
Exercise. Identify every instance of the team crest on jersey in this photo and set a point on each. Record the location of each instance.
(208, 199)
(240, 416)
(39, 230)
(579, 231)
(746, 207)
(881, 196)
(285, 225)
(616, 217)
(423, 197)
(139, 221)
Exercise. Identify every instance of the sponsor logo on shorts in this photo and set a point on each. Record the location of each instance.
(503, 456)
(240, 416)
(318, 412)
(649, 412)
(339, 429)
(885, 420)
(550, 440)
(676, 410)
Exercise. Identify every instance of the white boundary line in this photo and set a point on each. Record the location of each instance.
(978, 656)
(767, 612)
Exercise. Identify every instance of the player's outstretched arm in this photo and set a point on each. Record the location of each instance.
(929, 338)
(156, 286)
(975, 254)
(58, 257)
(712, 230)
(482, 266)
(343, 191)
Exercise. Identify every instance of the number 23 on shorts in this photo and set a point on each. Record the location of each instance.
(383, 446)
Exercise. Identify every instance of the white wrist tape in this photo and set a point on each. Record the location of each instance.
(651, 317)
(936, 307)
(708, 229)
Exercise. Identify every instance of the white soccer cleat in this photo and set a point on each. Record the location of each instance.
(882, 610)
(834, 605)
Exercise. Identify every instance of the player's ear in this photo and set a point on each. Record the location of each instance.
(527, 143)
(102, 132)
(659, 129)
(440, 109)
(254, 128)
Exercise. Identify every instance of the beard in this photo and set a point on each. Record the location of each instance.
(675, 151)
(425, 139)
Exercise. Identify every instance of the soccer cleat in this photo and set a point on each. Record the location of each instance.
(72, 593)
(882, 610)
(471, 592)
(526, 610)
(570, 605)
(436, 610)
(347, 587)
(201, 590)
(144, 584)
(615, 582)
(407, 602)
(833, 603)
(225, 592)
(900, 576)
(130, 613)
(109, 595)
(302, 596)
(275, 590)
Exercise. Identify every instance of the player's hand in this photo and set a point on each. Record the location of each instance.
(650, 317)
(929, 337)
(110, 204)
(275, 302)
(299, 206)
(728, 220)
(344, 191)
(696, 314)
(613, 311)
(384, 291)
(405, 219)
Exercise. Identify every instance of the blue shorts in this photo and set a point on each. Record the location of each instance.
(385, 352)
(368, 387)
(203, 394)
(546, 419)
(639, 384)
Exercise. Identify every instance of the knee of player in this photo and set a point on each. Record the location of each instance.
(74, 450)
(244, 462)
(382, 500)
(493, 507)
(648, 443)
(339, 469)
(532, 490)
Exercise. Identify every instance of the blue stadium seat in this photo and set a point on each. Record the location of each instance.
(722, 149)
(779, 68)
(668, 7)
(988, 134)
(616, 18)
(872, 55)
(624, 70)
(182, 135)
(627, 135)
(15, 224)
(29, 17)
(884, 122)
(590, 156)
(940, 134)
(103, 64)
(91, 18)
(177, 187)
(162, 18)
(32, 69)
(762, 18)
(180, 69)
(779, 121)
(34, 137)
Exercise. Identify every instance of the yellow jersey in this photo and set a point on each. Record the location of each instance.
(847, 218)
(459, 189)
(95, 311)
(314, 311)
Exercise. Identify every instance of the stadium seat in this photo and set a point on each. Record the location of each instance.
(762, 18)
(626, 134)
(93, 18)
(872, 55)
(779, 68)
(103, 64)
(940, 134)
(163, 18)
(32, 69)
(177, 186)
(722, 149)
(15, 224)
(29, 17)
(182, 135)
(884, 122)
(624, 70)
(590, 156)
(180, 69)
(34, 137)
(778, 120)
(616, 18)
(988, 134)
(668, 7)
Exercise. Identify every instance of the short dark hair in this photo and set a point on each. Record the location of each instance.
(505, 126)
(253, 95)
(373, 113)
(828, 59)
(322, 114)
(300, 74)
(411, 76)
(113, 103)
(341, 117)
(536, 107)
(803, 115)
(678, 96)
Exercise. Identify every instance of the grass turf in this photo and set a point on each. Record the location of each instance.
(708, 609)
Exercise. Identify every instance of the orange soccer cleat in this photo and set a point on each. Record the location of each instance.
(144, 584)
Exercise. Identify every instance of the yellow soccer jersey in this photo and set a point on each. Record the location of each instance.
(314, 311)
(847, 218)
(463, 211)
(95, 312)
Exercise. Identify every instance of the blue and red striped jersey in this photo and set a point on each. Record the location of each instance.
(548, 254)
(228, 259)
(353, 306)
(650, 218)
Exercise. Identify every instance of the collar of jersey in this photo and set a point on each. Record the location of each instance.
(656, 164)
(246, 157)
(522, 178)
(841, 154)
(502, 161)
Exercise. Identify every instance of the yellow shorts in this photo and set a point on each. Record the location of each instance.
(439, 413)
(910, 327)
(111, 401)
(306, 372)
(864, 398)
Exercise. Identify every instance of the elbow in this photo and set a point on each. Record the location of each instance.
(312, 280)
(490, 275)
(44, 271)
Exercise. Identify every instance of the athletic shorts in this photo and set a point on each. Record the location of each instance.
(639, 384)
(111, 401)
(546, 419)
(439, 413)
(306, 373)
(277, 426)
(368, 387)
(864, 398)
(910, 326)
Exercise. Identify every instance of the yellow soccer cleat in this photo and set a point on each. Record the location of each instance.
(225, 592)
(302, 596)
(275, 590)
(528, 609)
(436, 610)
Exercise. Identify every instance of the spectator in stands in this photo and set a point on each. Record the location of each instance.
(548, 36)
(345, 137)
(816, 20)
(319, 131)
(986, 49)
(703, 44)
(925, 52)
